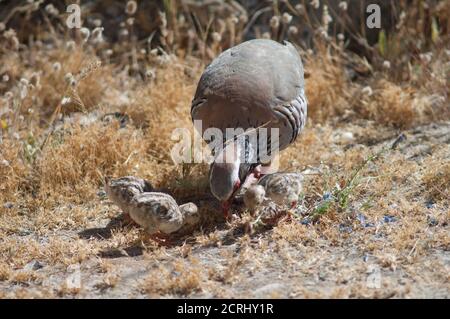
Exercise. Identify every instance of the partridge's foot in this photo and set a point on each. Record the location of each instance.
(226, 211)
(249, 228)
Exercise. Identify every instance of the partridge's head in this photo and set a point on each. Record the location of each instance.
(224, 178)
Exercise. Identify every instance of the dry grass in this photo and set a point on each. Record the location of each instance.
(180, 278)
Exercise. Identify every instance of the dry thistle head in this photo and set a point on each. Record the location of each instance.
(9, 95)
(97, 22)
(70, 79)
(275, 22)
(292, 30)
(234, 19)
(243, 18)
(123, 33)
(35, 80)
(343, 5)
(300, 9)
(97, 34)
(56, 67)
(51, 10)
(315, 4)
(11, 38)
(131, 7)
(216, 37)
(286, 18)
(24, 81)
(367, 90)
(326, 17)
(130, 22)
(150, 74)
(70, 45)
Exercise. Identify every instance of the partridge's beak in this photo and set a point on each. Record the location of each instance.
(227, 204)
(226, 209)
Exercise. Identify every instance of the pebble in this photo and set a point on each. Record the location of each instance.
(347, 137)
(389, 219)
(345, 229)
(432, 221)
(33, 265)
(271, 290)
(8, 205)
(101, 193)
(363, 220)
(327, 196)
(305, 221)
(429, 204)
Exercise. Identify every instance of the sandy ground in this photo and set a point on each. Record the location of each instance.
(348, 256)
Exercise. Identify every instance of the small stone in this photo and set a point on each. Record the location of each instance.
(345, 229)
(101, 193)
(347, 137)
(429, 204)
(8, 205)
(327, 196)
(271, 290)
(305, 221)
(33, 265)
(432, 221)
(361, 218)
(389, 219)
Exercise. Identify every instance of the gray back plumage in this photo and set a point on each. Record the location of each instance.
(259, 82)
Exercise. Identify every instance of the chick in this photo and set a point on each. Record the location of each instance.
(254, 197)
(121, 190)
(282, 188)
(160, 214)
(157, 212)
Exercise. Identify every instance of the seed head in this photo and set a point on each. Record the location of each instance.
(286, 18)
(131, 7)
(343, 5)
(216, 37)
(292, 30)
(35, 80)
(70, 45)
(85, 33)
(275, 22)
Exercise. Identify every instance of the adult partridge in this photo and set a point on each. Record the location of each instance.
(258, 83)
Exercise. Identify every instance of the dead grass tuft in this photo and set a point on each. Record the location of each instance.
(94, 151)
(180, 278)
